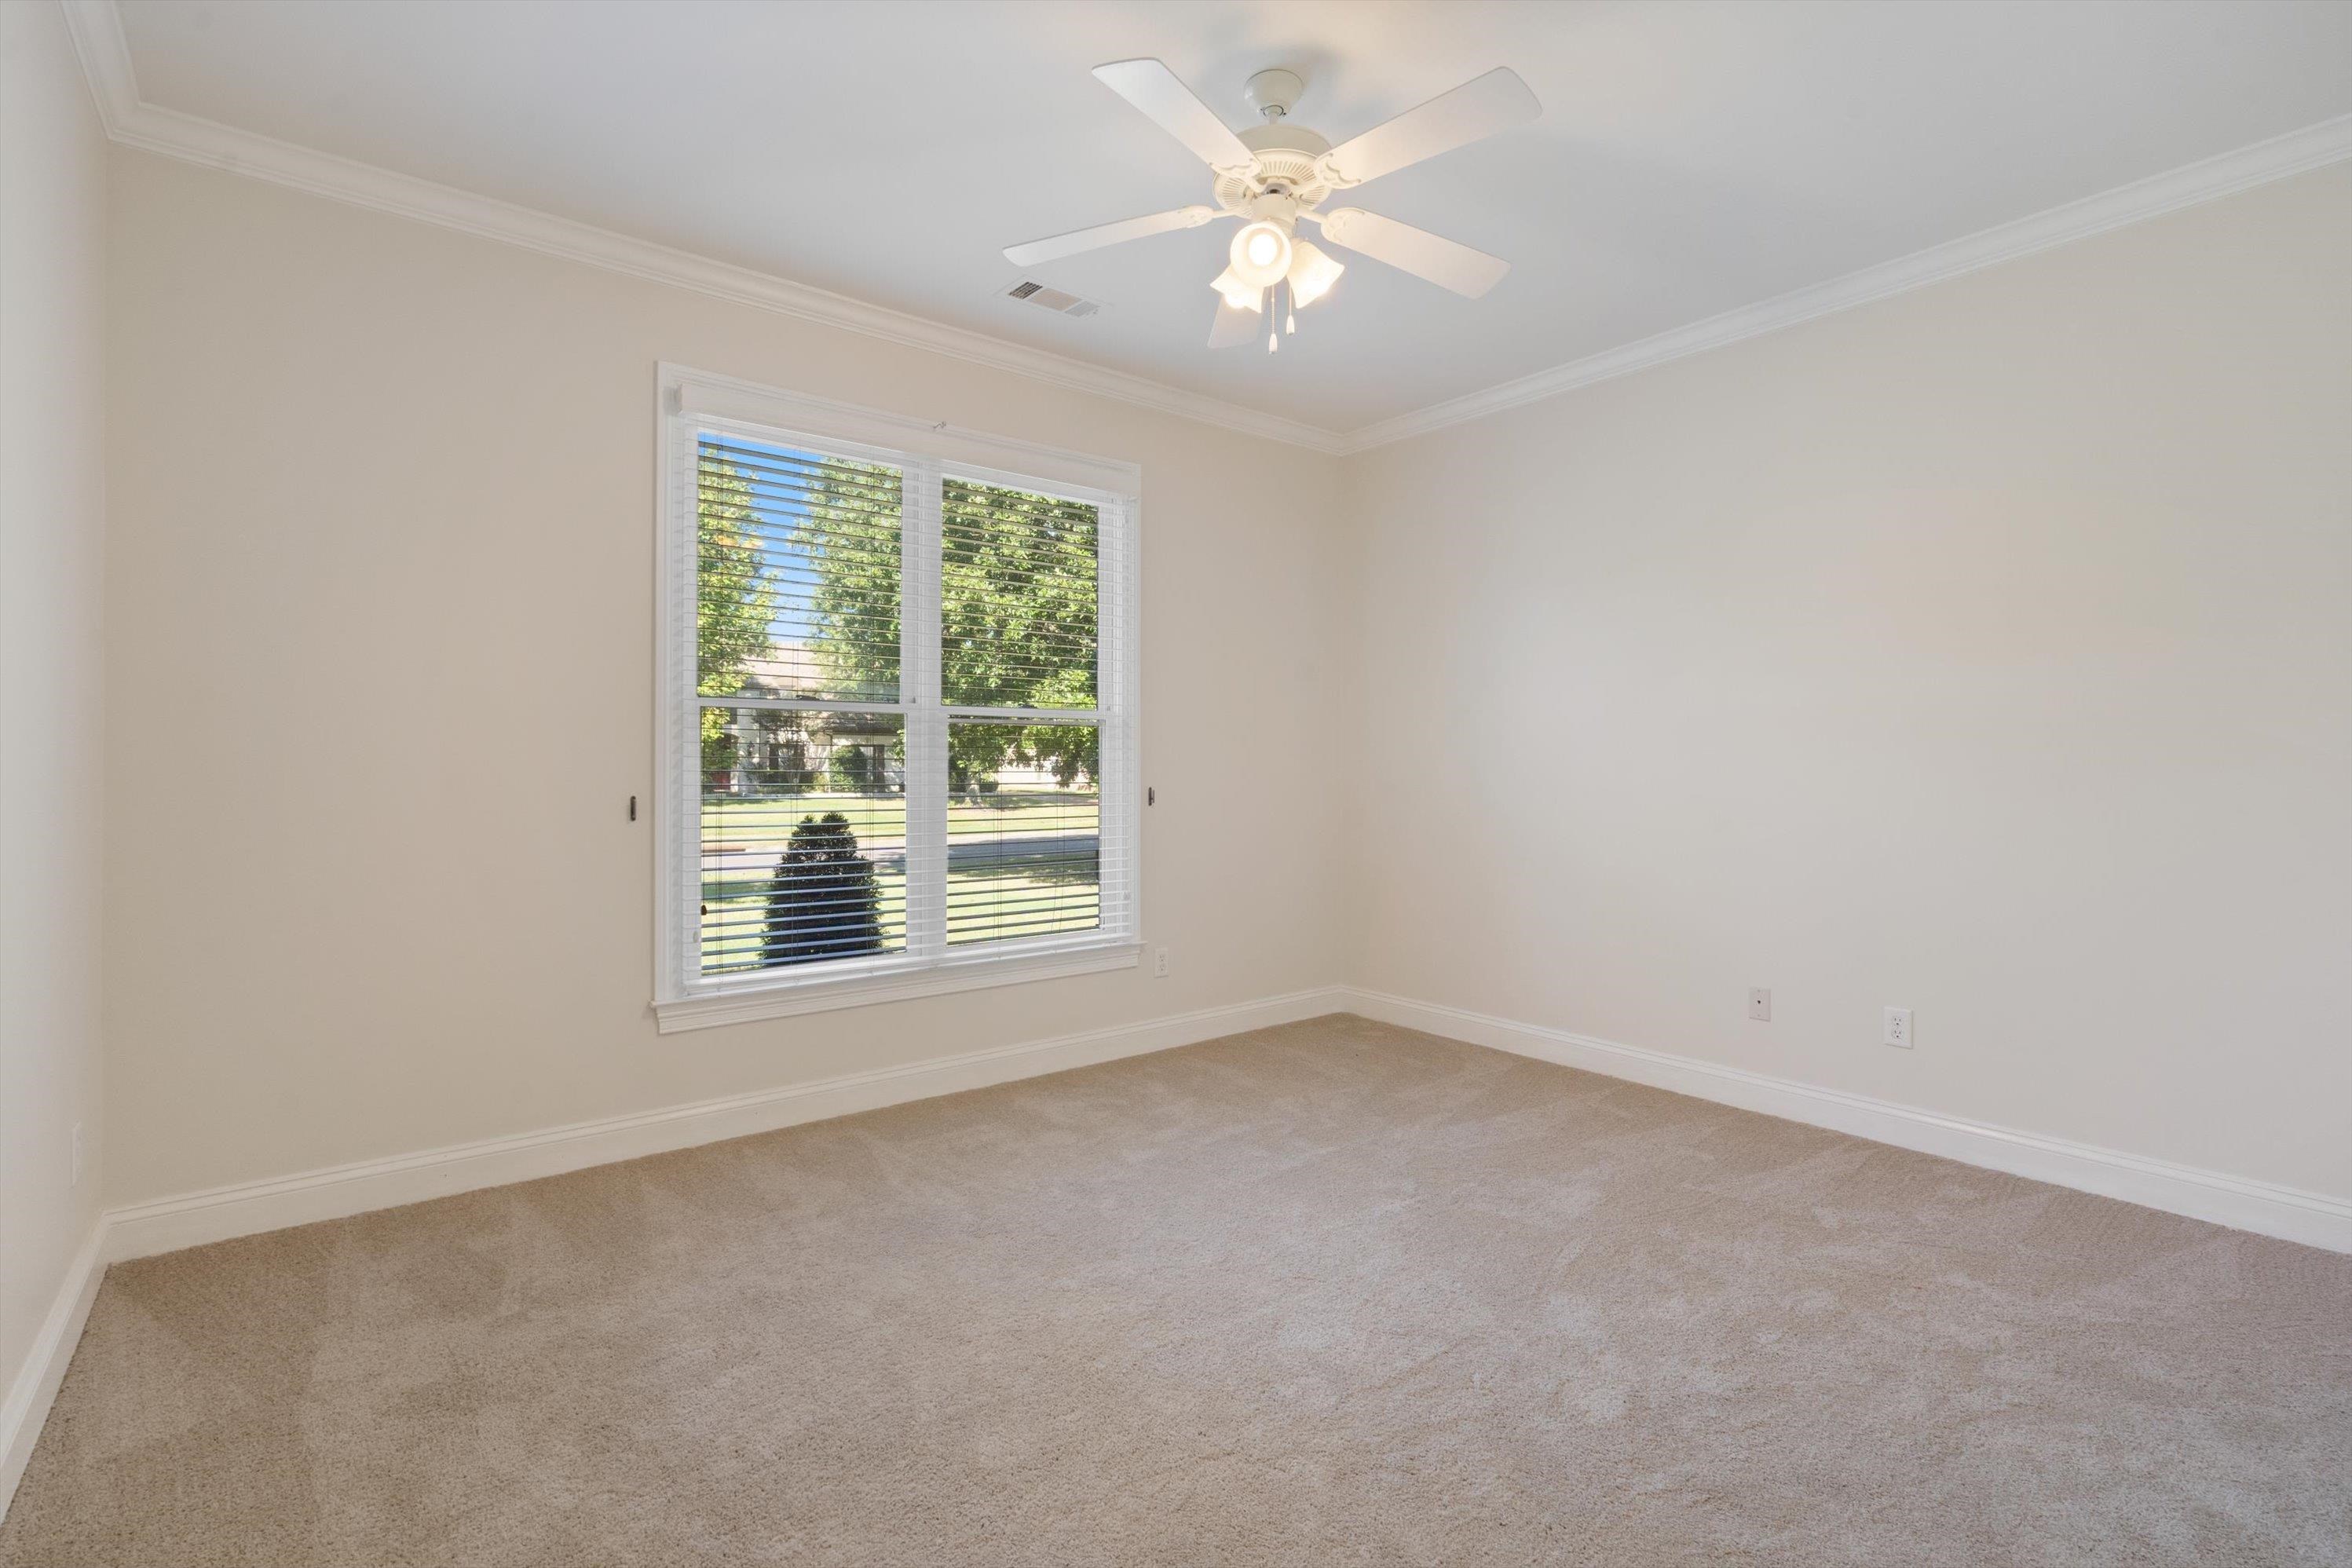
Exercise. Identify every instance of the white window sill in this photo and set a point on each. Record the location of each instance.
(744, 1001)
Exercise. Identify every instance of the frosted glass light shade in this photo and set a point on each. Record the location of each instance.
(1261, 255)
(1312, 273)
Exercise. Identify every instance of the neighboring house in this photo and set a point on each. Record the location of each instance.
(787, 751)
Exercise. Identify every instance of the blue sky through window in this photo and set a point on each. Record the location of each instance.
(781, 506)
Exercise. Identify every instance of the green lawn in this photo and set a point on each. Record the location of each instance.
(881, 820)
(982, 906)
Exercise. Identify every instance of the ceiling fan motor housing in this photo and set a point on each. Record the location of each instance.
(1286, 155)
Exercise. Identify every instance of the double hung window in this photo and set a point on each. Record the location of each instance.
(898, 707)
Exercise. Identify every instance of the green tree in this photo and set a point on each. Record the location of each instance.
(1017, 601)
(734, 600)
(823, 902)
(850, 534)
(1018, 618)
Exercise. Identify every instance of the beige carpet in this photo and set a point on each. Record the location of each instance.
(1332, 1293)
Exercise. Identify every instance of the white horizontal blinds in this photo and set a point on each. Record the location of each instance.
(1020, 634)
(1122, 792)
(803, 732)
(805, 840)
(1019, 621)
(1025, 831)
(797, 581)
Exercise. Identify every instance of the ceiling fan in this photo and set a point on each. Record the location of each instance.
(1274, 175)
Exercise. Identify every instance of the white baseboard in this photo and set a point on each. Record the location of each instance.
(247, 1209)
(2310, 1218)
(35, 1387)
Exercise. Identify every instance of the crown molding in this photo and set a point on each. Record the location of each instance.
(2328, 142)
(96, 28)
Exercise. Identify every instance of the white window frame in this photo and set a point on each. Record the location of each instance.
(692, 400)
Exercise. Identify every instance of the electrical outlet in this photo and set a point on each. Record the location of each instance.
(1160, 962)
(76, 1155)
(1759, 1004)
(1898, 1027)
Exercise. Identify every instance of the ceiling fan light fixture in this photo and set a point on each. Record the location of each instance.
(1239, 295)
(1261, 254)
(1312, 273)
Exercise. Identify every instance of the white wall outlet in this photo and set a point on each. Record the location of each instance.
(1160, 962)
(1898, 1027)
(1759, 1004)
(76, 1155)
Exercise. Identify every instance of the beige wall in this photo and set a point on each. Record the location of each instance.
(1986, 651)
(382, 653)
(1981, 651)
(52, 542)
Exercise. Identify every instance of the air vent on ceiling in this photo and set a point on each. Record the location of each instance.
(1054, 299)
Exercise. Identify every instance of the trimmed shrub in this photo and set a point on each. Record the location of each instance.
(823, 901)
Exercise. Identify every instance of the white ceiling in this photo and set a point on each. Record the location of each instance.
(1692, 158)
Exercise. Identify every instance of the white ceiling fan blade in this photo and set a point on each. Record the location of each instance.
(1152, 88)
(1407, 249)
(1234, 326)
(1479, 108)
(1101, 235)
